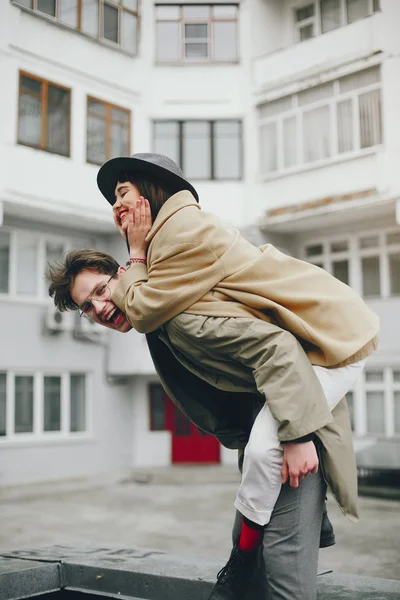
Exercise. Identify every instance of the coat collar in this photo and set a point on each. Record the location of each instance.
(174, 204)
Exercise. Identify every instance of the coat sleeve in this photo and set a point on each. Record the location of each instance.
(149, 299)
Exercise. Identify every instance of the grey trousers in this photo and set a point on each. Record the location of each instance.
(291, 543)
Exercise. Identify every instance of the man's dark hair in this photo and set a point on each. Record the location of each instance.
(62, 275)
(154, 190)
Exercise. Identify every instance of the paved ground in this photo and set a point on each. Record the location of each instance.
(181, 509)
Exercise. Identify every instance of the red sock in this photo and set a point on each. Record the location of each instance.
(250, 536)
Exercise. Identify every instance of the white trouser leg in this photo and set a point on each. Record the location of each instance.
(261, 475)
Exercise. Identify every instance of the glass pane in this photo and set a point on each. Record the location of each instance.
(225, 12)
(68, 12)
(225, 42)
(196, 12)
(396, 399)
(372, 241)
(166, 139)
(315, 94)
(393, 238)
(23, 404)
(227, 150)
(306, 32)
(27, 251)
(375, 412)
(268, 148)
(47, 6)
(276, 107)
(30, 120)
(196, 150)
(157, 408)
(357, 9)
(305, 12)
(58, 121)
(78, 403)
(196, 50)
(374, 375)
(360, 79)
(131, 4)
(341, 270)
(118, 115)
(129, 32)
(168, 12)
(97, 108)
(316, 134)
(110, 23)
(370, 119)
(54, 252)
(119, 140)
(396, 376)
(330, 15)
(345, 126)
(350, 405)
(370, 275)
(4, 261)
(27, 3)
(3, 408)
(168, 42)
(394, 269)
(376, 5)
(290, 142)
(31, 85)
(96, 140)
(52, 404)
(315, 250)
(196, 31)
(339, 246)
(90, 17)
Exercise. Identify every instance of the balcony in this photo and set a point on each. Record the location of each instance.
(299, 61)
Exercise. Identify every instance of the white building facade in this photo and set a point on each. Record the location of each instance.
(281, 113)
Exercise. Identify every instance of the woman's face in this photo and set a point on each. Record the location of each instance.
(126, 195)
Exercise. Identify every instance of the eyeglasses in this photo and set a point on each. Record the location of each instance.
(100, 293)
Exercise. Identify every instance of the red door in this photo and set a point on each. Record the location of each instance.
(189, 445)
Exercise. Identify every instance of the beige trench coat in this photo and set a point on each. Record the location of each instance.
(195, 265)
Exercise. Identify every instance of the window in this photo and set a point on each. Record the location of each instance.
(322, 16)
(374, 261)
(204, 149)
(157, 408)
(197, 33)
(44, 115)
(317, 124)
(108, 131)
(305, 22)
(114, 21)
(24, 257)
(42, 405)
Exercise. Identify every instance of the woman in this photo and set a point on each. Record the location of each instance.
(218, 280)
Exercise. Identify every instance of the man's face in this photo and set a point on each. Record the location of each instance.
(91, 291)
(126, 196)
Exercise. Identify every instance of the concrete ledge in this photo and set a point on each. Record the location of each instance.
(145, 574)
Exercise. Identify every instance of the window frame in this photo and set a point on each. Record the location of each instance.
(100, 21)
(211, 140)
(38, 433)
(108, 122)
(296, 111)
(198, 21)
(43, 111)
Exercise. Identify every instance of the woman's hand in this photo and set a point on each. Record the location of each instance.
(139, 225)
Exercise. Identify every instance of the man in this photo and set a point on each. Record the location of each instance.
(88, 280)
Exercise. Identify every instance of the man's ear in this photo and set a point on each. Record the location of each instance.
(121, 271)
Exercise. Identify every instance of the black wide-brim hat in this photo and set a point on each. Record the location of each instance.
(146, 163)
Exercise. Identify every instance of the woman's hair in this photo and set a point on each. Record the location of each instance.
(62, 275)
(155, 190)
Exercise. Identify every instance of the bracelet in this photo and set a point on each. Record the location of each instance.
(136, 260)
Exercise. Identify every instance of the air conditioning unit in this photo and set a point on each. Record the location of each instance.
(57, 322)
(86, 329)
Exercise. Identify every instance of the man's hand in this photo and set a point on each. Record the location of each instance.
(298, 461)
